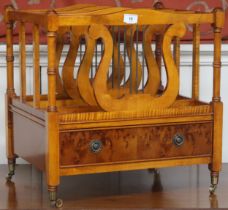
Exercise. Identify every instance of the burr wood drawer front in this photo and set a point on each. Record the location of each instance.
(132, 144)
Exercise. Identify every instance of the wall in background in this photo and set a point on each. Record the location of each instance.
(197, 5)
(206, 60)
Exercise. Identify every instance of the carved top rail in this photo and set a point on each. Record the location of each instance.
(77, 15)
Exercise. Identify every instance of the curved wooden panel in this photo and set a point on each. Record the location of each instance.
(71, 84)
(84, 82)
(154, 76)
(59, 48)
(137, 101)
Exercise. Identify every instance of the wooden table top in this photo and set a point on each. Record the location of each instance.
(180, 187)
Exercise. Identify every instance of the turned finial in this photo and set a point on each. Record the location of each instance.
(219, 18)
(159, 5)
(7, 9)
(52, 20)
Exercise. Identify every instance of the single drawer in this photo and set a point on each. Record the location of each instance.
(131, 144)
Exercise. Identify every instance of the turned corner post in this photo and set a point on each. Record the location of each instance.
(218, 25)
(216, 165)
(52, 126)
(9, 53)
(10, 92)
(52, 27)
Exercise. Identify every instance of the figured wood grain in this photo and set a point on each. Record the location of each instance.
(135, 144)
(126, 115)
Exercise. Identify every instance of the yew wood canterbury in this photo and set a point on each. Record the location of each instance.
(111, 117)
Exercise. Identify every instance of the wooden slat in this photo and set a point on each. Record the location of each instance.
(22, 61)
(36, 67)
(196, 60)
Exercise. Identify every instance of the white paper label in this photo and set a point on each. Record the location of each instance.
(130, 19)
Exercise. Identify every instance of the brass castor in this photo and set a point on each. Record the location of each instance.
(55, 202)
(9, 176)
(214, 182)
(212, 188)
(11, 166)
(58, 203)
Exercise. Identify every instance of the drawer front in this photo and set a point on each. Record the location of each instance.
(130, 144)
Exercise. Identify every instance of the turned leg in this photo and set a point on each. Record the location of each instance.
(11, 167)
(153, 170)
(57, 202)
(157, 184)
(214, 181)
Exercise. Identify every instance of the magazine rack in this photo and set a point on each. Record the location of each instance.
(115, 114)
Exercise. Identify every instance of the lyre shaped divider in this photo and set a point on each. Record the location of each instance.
(136, 101)
(83, 83)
